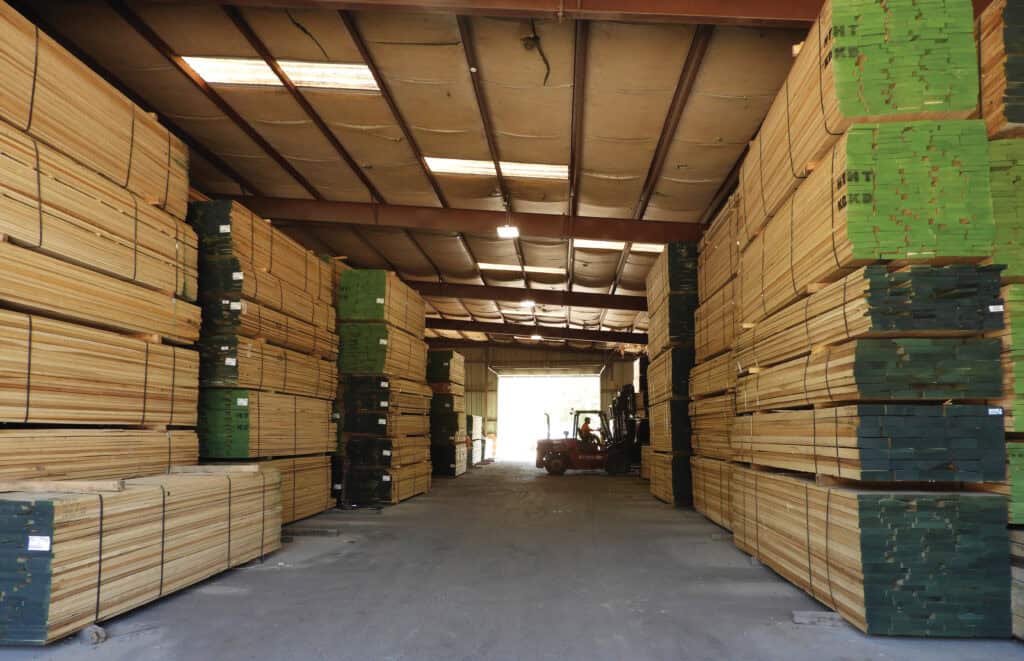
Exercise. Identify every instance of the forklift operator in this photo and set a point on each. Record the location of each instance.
(586, 435)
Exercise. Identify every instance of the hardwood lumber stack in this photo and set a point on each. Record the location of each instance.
(1000, 31)
(227, 228)
(878, 370)
(1017, 572)
(89, 551)
(383, 393)
(714, 376)
(236, 423)
(670, 426)
(668, 375)
(446, 373)
(93, 454)
(1011, 339)
(717, 322)
(712, 494)
(671, 479)
(862, 61)
(719, 256)
(39, 283)
(96, 126)
(380, 296)
(52, 203)
(305, 485)
(379, 349)
(235, 361)
(712, 419)
(900, 563)
(646, 457)
(956, 300)
(449, 460)
(55, 372)
(890, 191)
(1007, 185)
(446, 368)
(249, 319)
(878, 442)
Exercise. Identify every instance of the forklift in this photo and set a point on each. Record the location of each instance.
(604, 447)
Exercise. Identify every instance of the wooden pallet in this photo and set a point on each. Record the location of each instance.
(945, 574)
(89, 551)
(56, 372)
(96, 125)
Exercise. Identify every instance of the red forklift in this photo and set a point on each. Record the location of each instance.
(594, 449)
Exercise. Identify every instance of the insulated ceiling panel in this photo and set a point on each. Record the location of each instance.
(449, 253)
(740, 74)
(361, 120)
(422, 59)
(594, 270)
(400, 250)
(632, 71)
(346, 242)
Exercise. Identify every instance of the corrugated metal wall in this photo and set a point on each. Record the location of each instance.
(485, 363)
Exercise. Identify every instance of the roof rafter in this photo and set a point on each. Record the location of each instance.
(541, 296)
(550, 332)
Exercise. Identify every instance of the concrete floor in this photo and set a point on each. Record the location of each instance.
(503, 563)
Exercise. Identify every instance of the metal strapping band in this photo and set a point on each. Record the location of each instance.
(135, 238)
(99, 560)
(174, 383)
(821, 85)
(131, 149)
(228, 476)
(39, 189)
(28, 372)
(35, 78)
(807, 521)
(828, 555)
(828, 361)
(814, 438)
(792, 243)
(789, 136)
(145, 385)
(167, 179)
(846, 319)
(163, 529)
(835, 434)
(263, 511)
(832, 207)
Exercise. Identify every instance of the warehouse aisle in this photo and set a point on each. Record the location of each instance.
(503, 563)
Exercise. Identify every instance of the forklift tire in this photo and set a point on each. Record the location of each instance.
(617, 463)
(556, 464)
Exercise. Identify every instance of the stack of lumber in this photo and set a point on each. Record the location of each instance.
(1000, 28)
(671, 301)
(712, 495)
(55, 372)
(80, 552)
(93, 454)
(474, 440)
(878, 442)
(646, 452)
(863, 61)
(268, 346)
(717, 321)
(239, 362)
(383, 393)
(935, 369)
(305, 485)
(1017, 572)
(490, 448)
(893, 191)
(900, 563)
(237, 423)
(96, 126)
(949, 301)
(446, 373)
(712, 419)
(50, 202)
(1007, 183)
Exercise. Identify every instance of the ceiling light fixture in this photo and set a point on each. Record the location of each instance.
(252, 71)
(529, 304)
(656, 248)
(508, 232)
(536, 337)
(548, 270)
(598, 245)
(510, 169)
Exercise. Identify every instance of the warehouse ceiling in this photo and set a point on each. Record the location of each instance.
(644, 121)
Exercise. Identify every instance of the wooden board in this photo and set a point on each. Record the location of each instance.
(56, 372)
(999, 32)
(239, 362)
(670, 426)
(716, 322)
(364, 394)
(672, 324)
(673, 272)
(861, 62)
(712, 494)
(945, 571)
(96, 125)
(385, 452)
(645, 461)
(892, 191)
(446, 367)
(54, 204)
(719, 256)
(670, 478)
(878, 442)
(668, 374)
(1006, 179)
(237, 423)
(1017, 589)
(712, 419)
(717, 375)
(374, 295)
(78, 558)
(305, 486)
(878, 370)
(449, 460)
(93, 454)
(956, 300)
(373, 349)
(393, 421)
(228, 228)
(410, 481)
(249, 319)
(40, 283)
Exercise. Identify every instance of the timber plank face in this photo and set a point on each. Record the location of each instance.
(239, 423)
(71, 559)
(240, 362)
(1006, 178)
(902, 563)
(305, 485)
(370, 295)
(712, 494)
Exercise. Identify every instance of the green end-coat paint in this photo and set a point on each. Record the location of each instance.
(26, 576)
(223, 428)
(1007, 184)
(361, 295)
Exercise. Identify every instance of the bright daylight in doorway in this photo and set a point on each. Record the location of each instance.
(523, 401)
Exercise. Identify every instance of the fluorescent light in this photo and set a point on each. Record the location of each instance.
(648, 247)
(529, 304)
(254, 71)
(536, 337)
(550, 270)
(486, 168)
(598, 245)
(508, 232)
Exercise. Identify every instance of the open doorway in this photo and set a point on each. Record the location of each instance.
(523, 401)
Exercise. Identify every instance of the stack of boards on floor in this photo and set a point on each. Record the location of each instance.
(671, 301)
(266, 397)
(383, 452)
(1000, 30)
(846, 416)
(474, 440)
(446, 374)
(103, 506)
